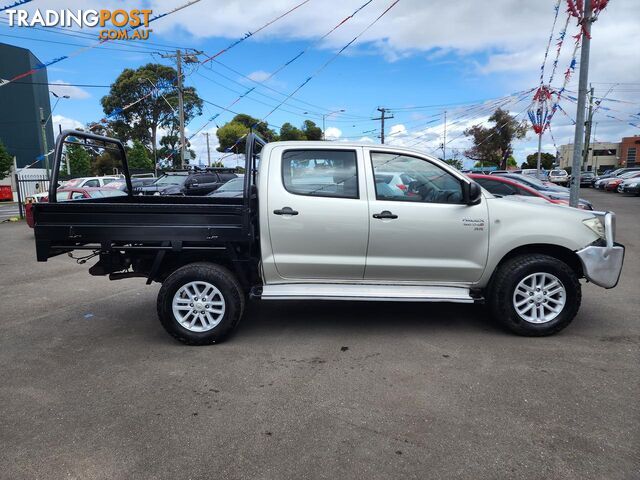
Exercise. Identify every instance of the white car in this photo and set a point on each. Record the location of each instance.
(319, 223)
(82, 182)
(560, 177)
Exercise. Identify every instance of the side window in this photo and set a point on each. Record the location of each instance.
(409, 179)
(92, 183)
(77, 195)
(497, 188)
(321, 173)
(207, 178)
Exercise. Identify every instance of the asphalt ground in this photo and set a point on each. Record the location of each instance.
(8, 210)
(92, 387)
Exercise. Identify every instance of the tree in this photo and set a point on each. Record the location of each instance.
(231, 133)
(6, 161)
(492, 145)
(79, 160)
(138, 157)
(311, 131)
(289, 132)
(455, 163)
(169, 153)
(159, 109)
(546, 161)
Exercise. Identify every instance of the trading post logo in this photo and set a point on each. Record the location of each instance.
(114, 24)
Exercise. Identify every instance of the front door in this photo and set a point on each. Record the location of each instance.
(318, 213)
(420, 228)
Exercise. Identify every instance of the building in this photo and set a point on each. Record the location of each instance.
(602, 156)
(23, 105)
(630, 151)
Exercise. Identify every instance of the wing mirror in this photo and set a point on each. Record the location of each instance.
(472, 193)
(193, 184)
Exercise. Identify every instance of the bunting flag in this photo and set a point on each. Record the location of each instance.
(539, 113)
(79, 51)
(15, 4)
(556, 8)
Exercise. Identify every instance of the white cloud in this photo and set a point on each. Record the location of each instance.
(61, 88)
(65, 122)
(332, 133)
(259, 75)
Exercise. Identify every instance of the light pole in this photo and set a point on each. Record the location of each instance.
(43, 128)
(325, 115)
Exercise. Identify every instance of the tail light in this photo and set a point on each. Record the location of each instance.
(402, 186)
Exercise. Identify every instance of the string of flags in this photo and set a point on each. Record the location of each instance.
(15, 4)
(81, 50)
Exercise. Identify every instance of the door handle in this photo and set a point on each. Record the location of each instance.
(385, 214)
(286, 211)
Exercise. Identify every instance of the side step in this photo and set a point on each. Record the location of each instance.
(354, 292)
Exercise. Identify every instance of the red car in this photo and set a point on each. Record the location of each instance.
(71, 193)
(612, 184)
(501, 187)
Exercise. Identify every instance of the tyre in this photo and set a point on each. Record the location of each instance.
(535, 295)
(200, 303)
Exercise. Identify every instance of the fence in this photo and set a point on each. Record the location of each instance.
(28, 185)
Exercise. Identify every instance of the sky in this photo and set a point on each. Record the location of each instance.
(423, 57)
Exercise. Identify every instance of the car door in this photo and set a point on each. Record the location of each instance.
(425, 233)
(317, 212)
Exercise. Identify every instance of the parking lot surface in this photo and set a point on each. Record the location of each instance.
(92, 387)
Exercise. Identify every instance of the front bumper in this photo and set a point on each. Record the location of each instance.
(628, 189)
(602, 265)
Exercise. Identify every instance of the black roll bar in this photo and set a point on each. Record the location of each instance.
(57, 156)
(251, 155)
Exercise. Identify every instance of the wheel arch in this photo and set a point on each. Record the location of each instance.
(559, 252)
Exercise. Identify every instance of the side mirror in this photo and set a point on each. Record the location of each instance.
(193, 184)
(473, 193)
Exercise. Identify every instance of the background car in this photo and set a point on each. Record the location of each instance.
(232, 189)
(533, 172)
(611, 184)
(614, 173)
(586, 178)
(558, 176)
(187, 183)
(66, 194)
(82, 182)
(631, 185)
(396, 180)
(135, 183)
(548, 189)
(504, 187)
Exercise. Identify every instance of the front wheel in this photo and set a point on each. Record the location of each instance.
(535, 295)
(200, 303)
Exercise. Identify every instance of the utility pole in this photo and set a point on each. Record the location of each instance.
(582, 94)
(444, 138)
(188, 58)
(180, 107)
(587, 135)
(43, 126)
(382, 118)
(208, 149)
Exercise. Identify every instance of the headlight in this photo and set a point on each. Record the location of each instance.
(595, 225)
(156, 193)
(634, 185)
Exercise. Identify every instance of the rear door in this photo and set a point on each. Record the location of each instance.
(426, 232)
(317, 213)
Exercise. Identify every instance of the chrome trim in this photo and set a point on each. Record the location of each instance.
(602, 265)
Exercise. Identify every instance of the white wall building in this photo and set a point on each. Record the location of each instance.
(602, 155)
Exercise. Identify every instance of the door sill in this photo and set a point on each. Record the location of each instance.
(356, 292)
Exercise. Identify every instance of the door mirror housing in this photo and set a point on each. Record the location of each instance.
(472, 193)
(193, 184)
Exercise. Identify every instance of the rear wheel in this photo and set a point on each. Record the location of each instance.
(200, 303)
(535, 295)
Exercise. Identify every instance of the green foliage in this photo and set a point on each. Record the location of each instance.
(106, 163)
(289, 132)
(239, 126)
(455, 163)
(169, 152)
(511, 162)
(6, 161)
(217, 164)
(138, 157)
(492, 145)
(79, 161)
(546, 161)
(142, 120)
(311, 131)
